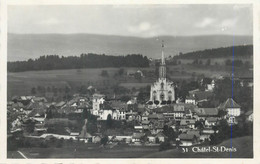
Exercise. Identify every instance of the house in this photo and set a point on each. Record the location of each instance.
(208, 130)
(96, 139)
(233, 110)
(145, 116)
(119, 138)
(204, 137)
(190, 99)
(121, 109)
(211, 121)
(138, 127)
(97, 100)
(60, 104)
(137, 137)
(155, 117)
(189, 123)
(39, 99)
(196, 96)
(187, 139)
(161, 137)
(203, 113)
(151, 139)
(249, 115)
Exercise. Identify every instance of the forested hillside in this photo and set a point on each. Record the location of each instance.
(239, 51)
(52, 62)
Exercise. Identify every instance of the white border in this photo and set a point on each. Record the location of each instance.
(3, 83)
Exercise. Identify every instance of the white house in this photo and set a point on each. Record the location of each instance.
(233, 110)
(98, 99)
(249, 116)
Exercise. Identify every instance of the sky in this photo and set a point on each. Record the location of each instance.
(132, 20)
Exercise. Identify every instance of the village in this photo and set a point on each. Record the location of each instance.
(164, 119)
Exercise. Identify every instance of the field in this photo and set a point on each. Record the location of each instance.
(244, 146)
(88, 151)
(21, 83)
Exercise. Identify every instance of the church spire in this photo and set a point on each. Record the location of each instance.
(162, 68)
(163, 60)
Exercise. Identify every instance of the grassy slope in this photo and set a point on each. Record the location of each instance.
(21, 83)
(89, 151)
(244, 146)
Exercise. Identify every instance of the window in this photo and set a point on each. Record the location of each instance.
(162, 85)
(162, 96)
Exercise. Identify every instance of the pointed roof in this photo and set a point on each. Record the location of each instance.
(229, 103)
(163, 59)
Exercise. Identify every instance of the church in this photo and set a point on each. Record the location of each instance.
(162, 91)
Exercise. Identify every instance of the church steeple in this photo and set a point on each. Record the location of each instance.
(162, 69)
(163, 60)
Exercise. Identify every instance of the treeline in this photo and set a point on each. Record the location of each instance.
(90, 60)
(239, 51)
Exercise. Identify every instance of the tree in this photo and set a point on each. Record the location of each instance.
(109, 121)
(222, 113)
(199, 124)
(33, 91)
(104, 140)
(121, 71)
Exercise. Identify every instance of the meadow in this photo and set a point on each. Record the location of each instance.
(243, 145)
(21, 83)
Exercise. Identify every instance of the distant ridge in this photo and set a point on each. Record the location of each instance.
(25, 46)
(239, 51)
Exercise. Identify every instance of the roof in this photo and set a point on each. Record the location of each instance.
(96, 95)
(199, 95)
(249, 113)
(34, 105)
(229, 103)
(206, 111)
(37, 111)
(17, 105)
(212, 119)
(67, 109)
(164, 109)
(178, 107)
(60, 104)
(118, 105)
(160, 134)
(42, 99)
(155, 116)
(138, 135)
(187, 121)
(185, 136)
(193, 132)
(145, 122)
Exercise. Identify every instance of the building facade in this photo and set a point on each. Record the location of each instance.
(162, 91)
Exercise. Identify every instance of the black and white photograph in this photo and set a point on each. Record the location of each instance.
(130, 81)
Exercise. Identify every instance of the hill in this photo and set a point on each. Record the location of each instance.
(25, 46)
(53, 62)
(239, 51)
(243, 145)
